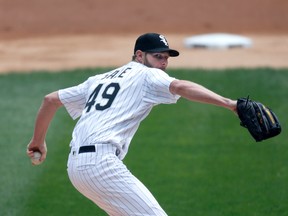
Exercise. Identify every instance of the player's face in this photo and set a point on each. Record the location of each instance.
(156, 60)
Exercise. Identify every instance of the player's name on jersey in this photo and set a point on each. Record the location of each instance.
(116, 74)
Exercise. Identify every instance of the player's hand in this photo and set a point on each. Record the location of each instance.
(32, 147)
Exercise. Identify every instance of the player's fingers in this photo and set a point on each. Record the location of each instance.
(29, 153)
(43, 156)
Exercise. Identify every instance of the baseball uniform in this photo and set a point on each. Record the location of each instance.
(111, 107)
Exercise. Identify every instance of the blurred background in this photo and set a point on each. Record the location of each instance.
(85, 33)
(34, 17)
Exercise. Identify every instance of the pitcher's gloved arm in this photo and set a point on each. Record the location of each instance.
(195, 92)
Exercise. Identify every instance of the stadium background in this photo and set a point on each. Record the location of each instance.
(56, 35)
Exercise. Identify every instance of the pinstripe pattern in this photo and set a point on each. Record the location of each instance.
(105, 180)
(141, 88)
(111, 107)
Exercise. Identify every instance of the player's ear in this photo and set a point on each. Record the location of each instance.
(139, 56)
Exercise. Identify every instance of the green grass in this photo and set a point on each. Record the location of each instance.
(194, 158)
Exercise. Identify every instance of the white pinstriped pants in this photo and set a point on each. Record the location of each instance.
(104, 179)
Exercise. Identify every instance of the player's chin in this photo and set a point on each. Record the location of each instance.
(162, 68)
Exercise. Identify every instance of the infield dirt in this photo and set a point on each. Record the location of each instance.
(55, 35)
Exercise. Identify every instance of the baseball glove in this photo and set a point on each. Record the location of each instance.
(261, 122)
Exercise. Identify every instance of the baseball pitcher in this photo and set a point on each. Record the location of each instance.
(109, 108)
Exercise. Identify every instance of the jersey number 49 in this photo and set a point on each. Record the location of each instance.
(109, 93)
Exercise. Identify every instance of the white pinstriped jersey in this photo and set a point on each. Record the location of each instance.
(113, 104)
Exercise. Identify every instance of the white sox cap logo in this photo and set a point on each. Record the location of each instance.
(153, 42)
(163, 39)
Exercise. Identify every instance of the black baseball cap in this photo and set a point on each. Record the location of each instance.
(153, 42)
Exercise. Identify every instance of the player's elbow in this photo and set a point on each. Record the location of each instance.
(52, 99)
(177, 87)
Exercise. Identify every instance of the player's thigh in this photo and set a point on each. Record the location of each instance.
(114, 188)
(125, 194)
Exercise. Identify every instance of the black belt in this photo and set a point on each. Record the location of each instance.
(84, 149)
